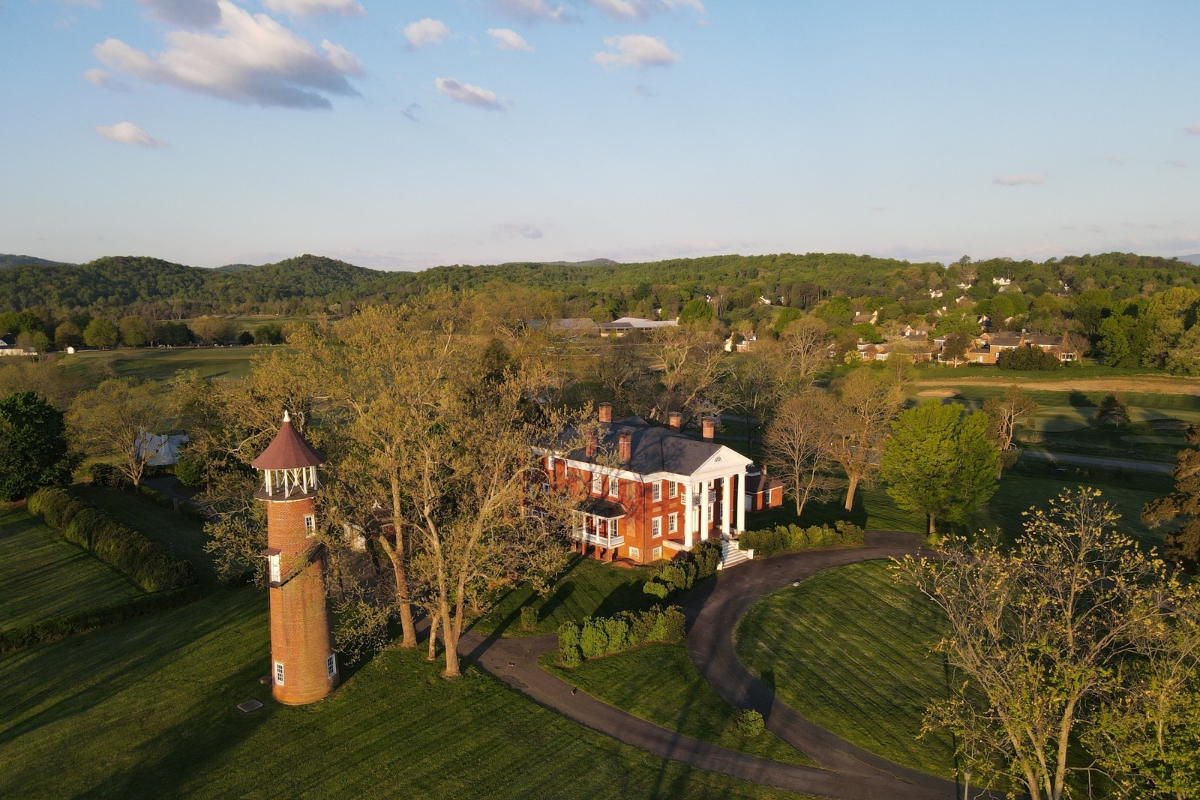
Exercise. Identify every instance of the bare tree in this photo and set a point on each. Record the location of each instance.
(1004, 413)
(689, 365)
(1076, 344)
(857, 422)
(1036, 635)
(805, 343)
(119, 420)
(797, 445)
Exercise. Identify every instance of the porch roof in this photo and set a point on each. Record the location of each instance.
(602, 508)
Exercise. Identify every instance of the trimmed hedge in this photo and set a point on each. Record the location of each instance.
(116, 544)
(785, 538)
(158, 498)
(49, 630)
(680, 575)
(599, 636)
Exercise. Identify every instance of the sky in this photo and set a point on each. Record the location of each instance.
(407, 134)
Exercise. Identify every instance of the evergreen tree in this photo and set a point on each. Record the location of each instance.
(1182, 544)
(33, 449)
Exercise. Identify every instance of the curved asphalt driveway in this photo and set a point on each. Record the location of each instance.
(710, 647)
(849, 773)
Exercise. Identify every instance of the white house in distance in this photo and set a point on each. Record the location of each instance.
(624, 325)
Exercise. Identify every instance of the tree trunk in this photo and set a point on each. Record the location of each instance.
(450, 642)
(407, 627)
(433, 627)
(850, 493)
(932, 525)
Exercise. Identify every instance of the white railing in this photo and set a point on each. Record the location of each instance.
(598, 538)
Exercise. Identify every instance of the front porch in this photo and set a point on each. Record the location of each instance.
(596, 529)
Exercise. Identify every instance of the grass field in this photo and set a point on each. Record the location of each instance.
(658, 683)
(182, 536)
(158, 364)
(850, 650)
(43, 576)
(146, 709)
(587, 588)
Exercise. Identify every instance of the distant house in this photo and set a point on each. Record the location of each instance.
(989, 346)
(575, 326)
(935, 293)
(762, 493)
(862, 317)
(163, 449)
(624, 325)
(742, 346)
(8, 347)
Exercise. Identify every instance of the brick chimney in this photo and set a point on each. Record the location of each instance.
(675, 419)
(606, 412)
(625, 445)
(592, 445)
(708, 426)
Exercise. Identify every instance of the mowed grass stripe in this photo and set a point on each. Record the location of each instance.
(43, 576)
(850, 650)
(145, 709)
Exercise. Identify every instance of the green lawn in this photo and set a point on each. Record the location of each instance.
(588, 587)
(159, 363)
(146, 709)
(43, 576)
(658, 683)
(180, 535)
(850, 650)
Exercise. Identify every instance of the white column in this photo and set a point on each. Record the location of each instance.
(741, 501)
(704, 520)
(687, 515)
(726, 511)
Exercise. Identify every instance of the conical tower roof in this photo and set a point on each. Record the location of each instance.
(288, 450)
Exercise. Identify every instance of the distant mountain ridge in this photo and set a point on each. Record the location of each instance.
(1192, 259)
(19, 261)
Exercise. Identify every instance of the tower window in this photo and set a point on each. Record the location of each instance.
(273, 560)
(331, 665)
(279, 673)
(310, 524)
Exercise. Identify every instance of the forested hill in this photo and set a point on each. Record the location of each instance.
(9, 260)
(312, 284)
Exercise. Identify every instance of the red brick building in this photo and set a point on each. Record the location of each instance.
(304, 667)
(664, 492)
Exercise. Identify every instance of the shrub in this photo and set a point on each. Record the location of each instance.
(674, 625)
(706, 555)
(193, 513)
(655, 589)
(749, 723)
(592, 640)
(43, 499)
(529, 617)
(568, 645)
(785, 538)
(189, 472)
(158, 498)
(106, 475)
(616, 633)
(83, 528)
(1027, 357)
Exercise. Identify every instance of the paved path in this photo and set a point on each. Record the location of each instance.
(1099, 461)
(849, 773)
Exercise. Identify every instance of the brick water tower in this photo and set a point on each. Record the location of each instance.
(303, 665)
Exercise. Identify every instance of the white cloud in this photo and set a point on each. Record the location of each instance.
(640, 9)
(98, 77)
(1193, 129)
(426, 32)
(466, 93)
(128, 133)
(519, 229)
(532, 9)
(185, 13)
(254, 60)
(317, 8)
(509, 40)
(1020, 179)
(636, 50)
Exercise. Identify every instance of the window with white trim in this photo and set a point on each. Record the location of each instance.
(656, 554)
(276, 571)
(310, 524)
(614, 527)
(673, 523)
(656, 527)
(656, 491)
(613, 486)
(635, 554)
(672, 489)
(597, 483)
(331, 665)
(279, 673)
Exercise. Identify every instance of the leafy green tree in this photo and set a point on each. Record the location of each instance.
(117, 421)
(697, 310)
(40, 342)
(33, 446)
(268, 333)
(100, 333)
(173, 334)
(957, 344)
(212, 330)
(67, 335)
(939, 463)
(135, 332)
(1183, 543)
(1028, 358)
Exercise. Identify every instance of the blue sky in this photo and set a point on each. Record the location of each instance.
(403, 135)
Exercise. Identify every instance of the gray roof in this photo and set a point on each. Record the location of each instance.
(653, 449)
